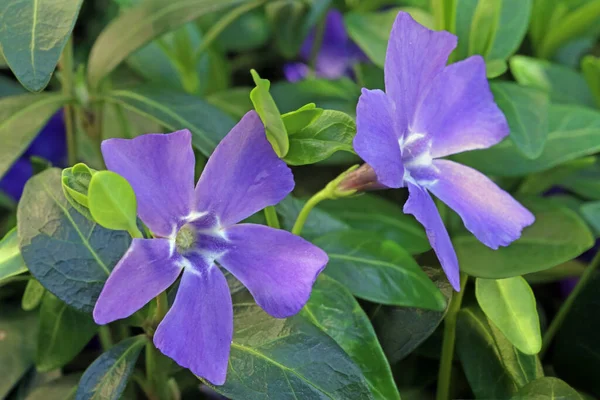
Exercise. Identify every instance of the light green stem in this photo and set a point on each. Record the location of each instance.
(310, 204)
(271, 216)
(105, 337)
(445, 371)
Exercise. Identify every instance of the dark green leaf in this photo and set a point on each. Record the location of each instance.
(494, 368)
(333, 131)
(570, 269)
(177, 110)
(70, 255)
(235, 101)
(287, 358)
(63, 333)
(402, 329)
(32, 297)
(59, 389)
(295, 121)
(25, 114)
(18, 330)
(573, 132)
(511, 29)
(11, 261)
(591, 213)
(590, 66)
(33, 34)
(586, 182)
(542, 245)
(141, 24)
(248, 32)
(526, 110)
(547, 388)
(373, 213)
(318, 223)
(333, 309)
(107, 377)
(378, 270)
(540, 182)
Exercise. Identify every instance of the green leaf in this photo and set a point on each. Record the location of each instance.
(176, 111)
(541, 246)
(33, 35)
(277, 358)
(112, 202)
(494, 368)
(564, 84)
(526, 110)
(82, 253)
(269, 114)
(295, 121)
(235, 101)
(378, 270)
(573, 132)
(547, 388)
(540, 182)
(510, 305)
(374, 213)
(63, 333)
(75, 184)
(17, 348)
(591, 213)
(590, 66)
(485, 23)
(570, 269)
(333, 131)
(402, 329)
(495, 68)
(25, 114)
(32, 297)
(141, 24)
(334, 310)
(107, 376)
(318, 223)
(62, 388)
(586, 182)
(11, 262)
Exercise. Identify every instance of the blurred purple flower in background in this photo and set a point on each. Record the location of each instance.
(430, 110)
(49, 144)
(337, 52)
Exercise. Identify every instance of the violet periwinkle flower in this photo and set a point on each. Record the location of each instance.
(336, 56)
(428, 111)
(197, 231)
(49, 144)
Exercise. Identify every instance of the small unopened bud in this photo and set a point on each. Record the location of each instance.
(360, 179)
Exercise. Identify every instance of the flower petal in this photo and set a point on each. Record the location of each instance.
(415, 55)
(146, 269)
(197, 330)
(243, 175)
(295, 71)
(491, 214)
(277, 267)
(13, 182)
(160, 168)
(421, 205)
(376, 141)
(459, 112)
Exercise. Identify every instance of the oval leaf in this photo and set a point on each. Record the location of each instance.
(547, 388)
(11, 261)
(107, 377)
(378, 270)
(32, 297)
(33, 35)
(82, 253)
(295, 121)
(510, 305)
(112, 202)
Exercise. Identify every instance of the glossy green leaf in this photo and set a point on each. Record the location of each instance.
(107, 376)
(141, 24)
(526, 110)
(573, 132)
(112, 202)
(63, 333)
(32, 297)
(83, 253)
(494, 368)
(295, 121)
(235, 101)
(280, 358)
(541, 246)
(333, 131)
(11, 261)
(564, 84)
(62, 388)
(18, 330)
(374, 213)
(25, 114)
(318, 223)
(33, 34)
(510, 305)
(378, 270)
(590, 66)
(402, 329)
(334, 310)
(547, 388)
(175, 110)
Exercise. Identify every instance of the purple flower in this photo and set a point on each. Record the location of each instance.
(431, 110)
(50, 144)
(197, 228)
(336, 55)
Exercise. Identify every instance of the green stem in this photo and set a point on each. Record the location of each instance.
(156, 378)
(162, 306)
(445, 371)
(310, 204)
(271, 216)
(105, 337)
(67, 86)
(568, 304)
